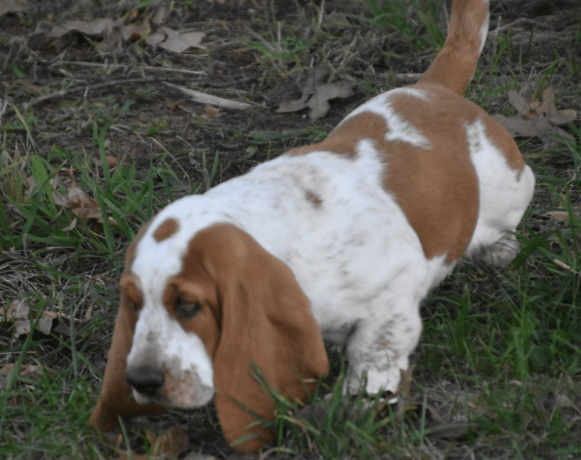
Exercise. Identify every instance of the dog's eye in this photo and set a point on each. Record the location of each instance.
(134, 307)
(187, 309)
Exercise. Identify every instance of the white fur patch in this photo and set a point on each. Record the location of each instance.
(398, 129)
(504, 196)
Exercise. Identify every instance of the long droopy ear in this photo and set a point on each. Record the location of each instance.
(266, 321)
(116, 398)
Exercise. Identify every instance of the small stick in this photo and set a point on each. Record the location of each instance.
(4, 107)
(521, 21)
(122, 66)
(82, 88)
(203, 98)
(321, 12)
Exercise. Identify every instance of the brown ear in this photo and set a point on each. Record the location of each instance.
(115, 398)
(266, 321)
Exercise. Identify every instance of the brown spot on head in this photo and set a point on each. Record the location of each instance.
(166, 229)
(314, 198)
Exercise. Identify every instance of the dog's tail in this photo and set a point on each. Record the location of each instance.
(456, 62)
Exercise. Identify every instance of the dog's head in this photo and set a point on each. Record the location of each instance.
(197, 312)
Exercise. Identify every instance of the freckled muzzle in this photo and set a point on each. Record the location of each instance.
(151, 384)
(168, 365)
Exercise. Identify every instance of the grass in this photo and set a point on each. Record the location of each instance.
(497, 370)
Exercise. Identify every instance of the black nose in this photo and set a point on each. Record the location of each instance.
(146, 380)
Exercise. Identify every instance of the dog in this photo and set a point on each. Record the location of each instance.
(340, 240)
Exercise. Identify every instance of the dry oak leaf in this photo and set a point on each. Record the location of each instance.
(80, 204)
(536, 119)
(140, 30)
(28, 371)
(316, 94)
(13, 6)
(18, 312)
(558, 215)
(108, 30)
(170, 40)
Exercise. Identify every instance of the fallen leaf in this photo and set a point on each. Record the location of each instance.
(211, 112)
(23, 325)
(155, 38)
(81, 205)
(13, 6)
(171, 40)
(89, 314)
(88, 213)
(77, 198)
(319, 103)
(536, 119)
(94, 28)
(558, 215)
(316, 94)
(111, 161)
(28, 371)
(18, 311)
(557, 117)
(135, 32)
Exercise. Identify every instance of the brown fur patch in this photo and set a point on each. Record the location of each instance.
(166, 229)
(314, 198)
(437, 188)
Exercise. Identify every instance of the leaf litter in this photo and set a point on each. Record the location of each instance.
(13, 6)
(18, 312)
(108, 34)
(77, 200)
(537, 119)
(316, 94)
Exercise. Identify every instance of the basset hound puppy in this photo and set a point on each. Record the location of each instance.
(339, 240)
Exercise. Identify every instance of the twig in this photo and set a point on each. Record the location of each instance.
(321, 12)
(123, 66)
(203, 98)
(520, 21)
(80, 89)
(3, 108)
